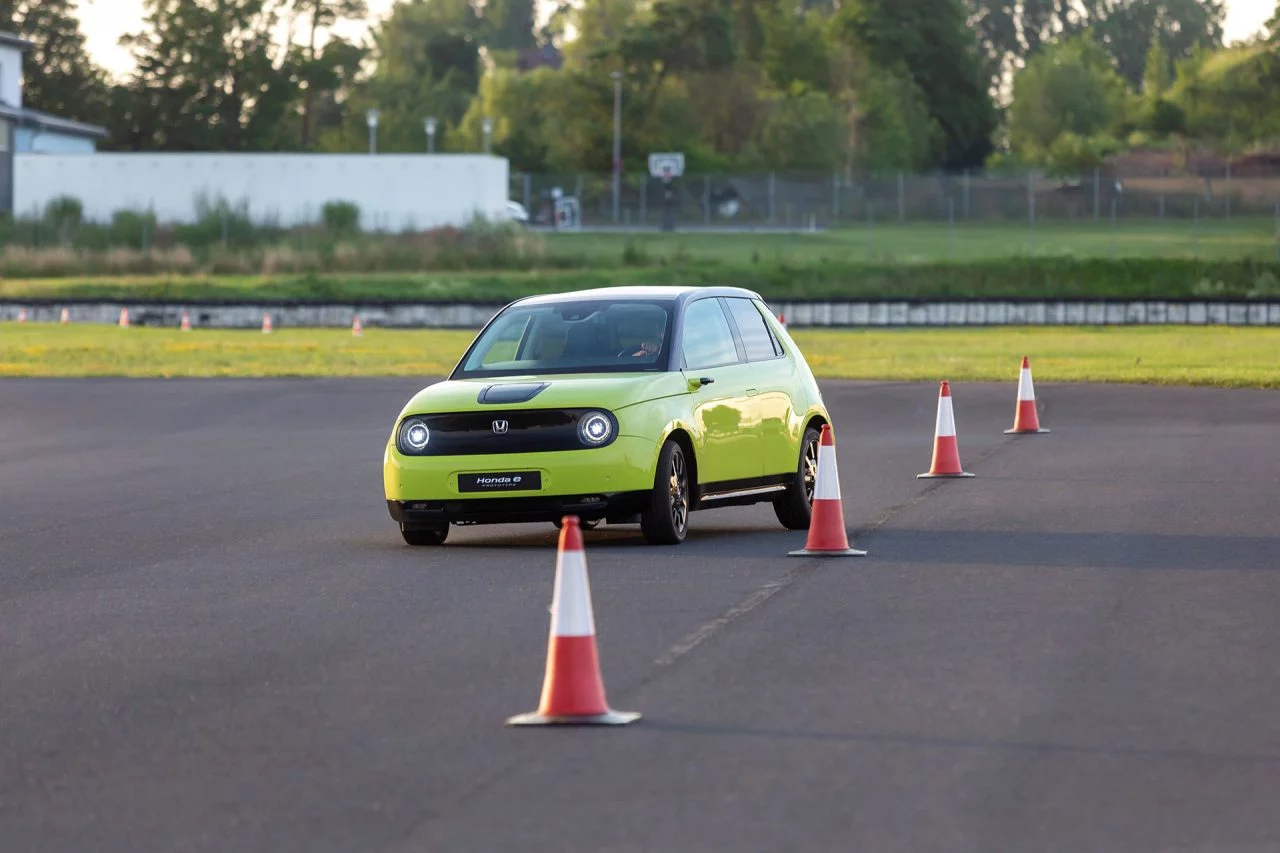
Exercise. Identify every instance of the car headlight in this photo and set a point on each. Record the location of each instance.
(414, 436)
(595, 429)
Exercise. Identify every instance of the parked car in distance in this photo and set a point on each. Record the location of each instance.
(620, 405)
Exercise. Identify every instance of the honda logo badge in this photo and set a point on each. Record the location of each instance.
(500, 427)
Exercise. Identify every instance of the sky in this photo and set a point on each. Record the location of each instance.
(104, 21)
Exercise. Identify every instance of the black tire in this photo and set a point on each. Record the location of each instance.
(665, 521)
(794, 507)
(583, 523)
(420, 536)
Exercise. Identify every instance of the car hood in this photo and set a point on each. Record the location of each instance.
(611, 391)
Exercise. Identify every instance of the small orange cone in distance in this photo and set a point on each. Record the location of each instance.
(782, 320)
(1025, 419)
(572, 691)
(186, 322)
(946, 452)
(124, 318)
(65, 317)
(266, 324)
(357, 329)
(827, 537)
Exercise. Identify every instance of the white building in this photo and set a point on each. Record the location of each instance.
(25, 130)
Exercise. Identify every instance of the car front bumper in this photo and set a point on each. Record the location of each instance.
(606, 482)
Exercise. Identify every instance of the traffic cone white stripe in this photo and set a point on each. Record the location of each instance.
(828, 486)
(946, 424)
(571, 614)
(1026, 391)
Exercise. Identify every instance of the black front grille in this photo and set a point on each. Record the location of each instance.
(524, 431)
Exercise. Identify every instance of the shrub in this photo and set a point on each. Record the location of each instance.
(64, 213)
(341, 218)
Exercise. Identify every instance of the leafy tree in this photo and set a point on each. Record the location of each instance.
(210, 76)
(930, 42)
(795, 50)
(510, 24)
(59, 76)
(1069, 88)
(1127, 28)
(1230, 97)
(320, 71)
(1155, 74)
(803, 130)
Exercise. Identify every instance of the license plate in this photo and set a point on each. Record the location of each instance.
(515, 481)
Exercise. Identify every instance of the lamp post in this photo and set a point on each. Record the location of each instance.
(372, 118)
(430, 126)
(617, 143)
(487, 126)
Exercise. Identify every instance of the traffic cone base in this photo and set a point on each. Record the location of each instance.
(572, 689)
(943, 476)
(827, 536)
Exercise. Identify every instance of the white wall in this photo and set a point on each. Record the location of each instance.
(28, 139)
(10, 75)
(394, 191)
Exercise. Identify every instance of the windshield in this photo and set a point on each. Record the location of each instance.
(596, 336)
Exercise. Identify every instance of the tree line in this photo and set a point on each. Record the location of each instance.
(836, 85)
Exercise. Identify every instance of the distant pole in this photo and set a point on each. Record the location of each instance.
(773, 197)
(966, 193)
(951, 227)
(1162, 207)
(1277, 230)
(835, 197)
(706, 199)
(1097, 193)
(1226, 190)
(1113, 227)
(902, 196)
(371, 118)
(487, 127)
(1195, 226)
(1031, 206)
(617, 144)
(870, 226)
(429, 124)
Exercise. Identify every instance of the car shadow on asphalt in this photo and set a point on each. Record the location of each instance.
(1145, 551)
(717, 541)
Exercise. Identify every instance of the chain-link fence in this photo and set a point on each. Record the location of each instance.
(787, 200)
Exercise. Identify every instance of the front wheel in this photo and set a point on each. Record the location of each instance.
(424, 536)
(665, 521)
(794, 507)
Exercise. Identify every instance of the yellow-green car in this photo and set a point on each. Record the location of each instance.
(624, 405)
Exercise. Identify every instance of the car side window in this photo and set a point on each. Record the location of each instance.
(707, 340)
(756, 337)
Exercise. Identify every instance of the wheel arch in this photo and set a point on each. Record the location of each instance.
(681, 436)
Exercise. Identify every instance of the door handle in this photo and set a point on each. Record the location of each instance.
(751, 392)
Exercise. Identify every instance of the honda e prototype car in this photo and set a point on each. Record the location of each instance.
(624, 405)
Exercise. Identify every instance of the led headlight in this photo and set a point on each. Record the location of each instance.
(595, 428)
(414, 436)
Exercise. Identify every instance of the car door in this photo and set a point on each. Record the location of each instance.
(724, 414)
(772, 378)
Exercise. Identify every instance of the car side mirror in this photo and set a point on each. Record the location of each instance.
(695, 384)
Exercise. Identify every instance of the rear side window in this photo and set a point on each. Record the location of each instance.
(756, 337)
(707, 340)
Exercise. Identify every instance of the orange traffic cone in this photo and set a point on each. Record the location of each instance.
(22, 315)
(185, 326)
(65, 318)
(124, 318)
(573, 691)
(357, 329)
(266, 324)
(782, 320)
(827, 537)
(946, 452)
(1025, 419)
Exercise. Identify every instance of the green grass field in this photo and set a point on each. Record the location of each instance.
(1221, 356)
(930, 242)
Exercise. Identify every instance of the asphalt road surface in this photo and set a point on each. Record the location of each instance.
(212, 638)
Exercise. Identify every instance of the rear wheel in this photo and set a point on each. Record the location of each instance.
(665, 521)
(424, 535)
(795, 506)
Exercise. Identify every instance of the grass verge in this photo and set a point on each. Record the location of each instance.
(1041, 278)
(1169, 355)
